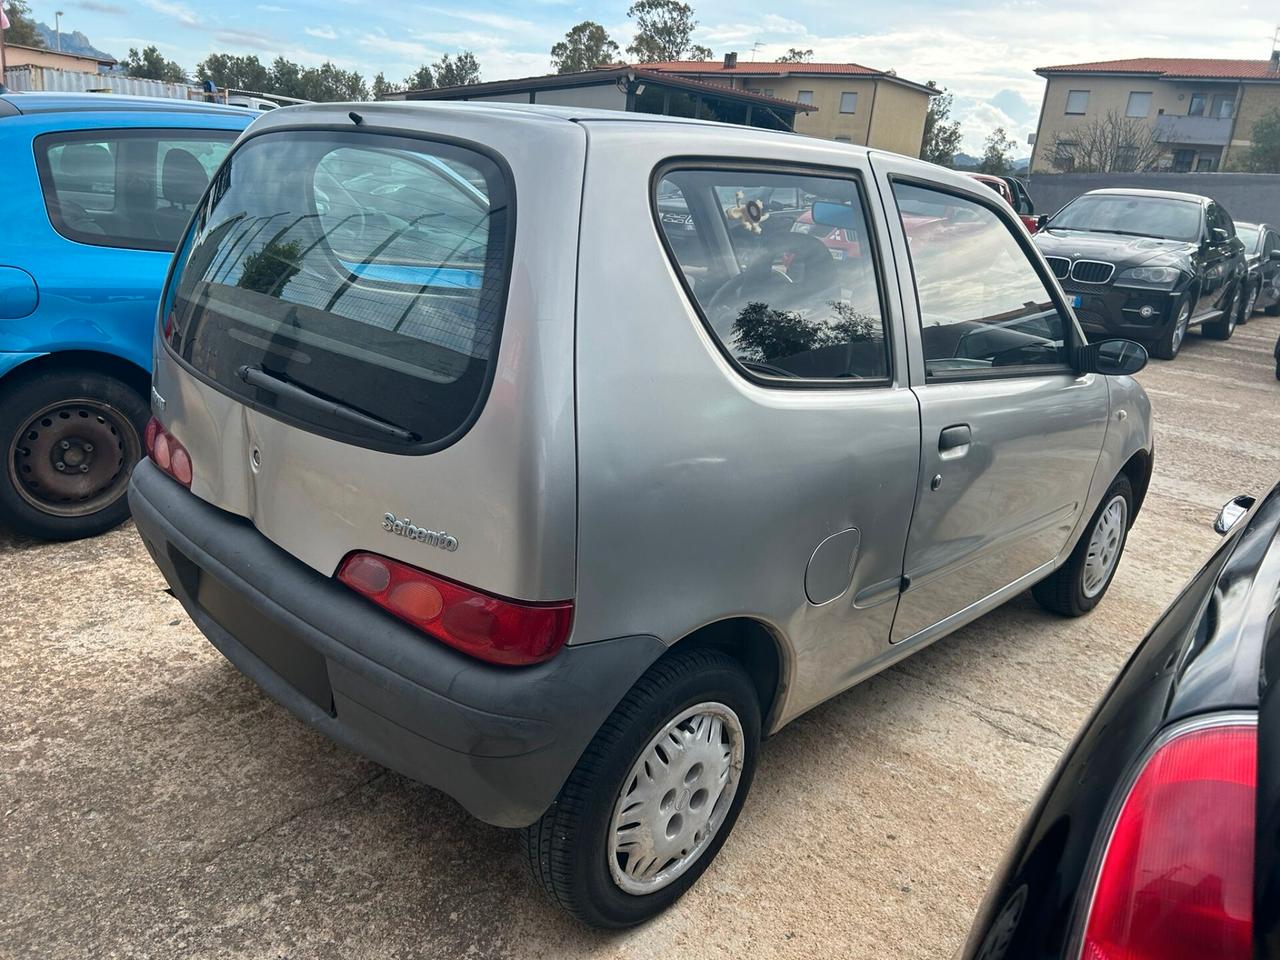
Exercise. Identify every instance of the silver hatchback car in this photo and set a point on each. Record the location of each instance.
(553, 458)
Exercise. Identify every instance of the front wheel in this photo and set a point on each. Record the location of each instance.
(1076, 587)
(1250, 303)
(70, 439)
(1167, 347)
(654, 796)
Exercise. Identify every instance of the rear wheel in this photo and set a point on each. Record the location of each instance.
(654, 796)
(1250, 304)
(1167, 347)
(1225, 326)
(1078, 585)
(70, 439)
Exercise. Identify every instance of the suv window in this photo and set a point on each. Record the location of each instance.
(351, 282)
(127, 188)
(782, 268)
(983, 305)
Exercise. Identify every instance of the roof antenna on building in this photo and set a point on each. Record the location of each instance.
(757, 45)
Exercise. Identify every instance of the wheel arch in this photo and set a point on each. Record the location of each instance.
(1138, 469)
(761, 651)
(95, 361)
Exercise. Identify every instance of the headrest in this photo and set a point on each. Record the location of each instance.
(182, 179)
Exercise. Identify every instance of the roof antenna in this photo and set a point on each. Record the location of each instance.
(356, 118)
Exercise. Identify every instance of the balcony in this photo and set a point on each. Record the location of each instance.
(1201, 131)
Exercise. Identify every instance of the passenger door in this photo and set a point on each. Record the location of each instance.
(1217, 259)
(1010, 433)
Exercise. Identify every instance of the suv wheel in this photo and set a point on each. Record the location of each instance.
(70, 439)
(1250, 304)
(1167, 347)
(1223, 328)
(1076, 587)
(654, 796)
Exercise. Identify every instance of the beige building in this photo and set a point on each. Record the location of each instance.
(855, 104)
(16, 55)
(1201, 112)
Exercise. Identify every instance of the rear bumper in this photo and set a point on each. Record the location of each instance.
(499, 740)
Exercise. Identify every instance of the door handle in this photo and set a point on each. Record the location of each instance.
(954, 440)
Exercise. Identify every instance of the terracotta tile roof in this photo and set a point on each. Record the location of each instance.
(1175, 68)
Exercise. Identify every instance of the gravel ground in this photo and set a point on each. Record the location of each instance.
(156, 804)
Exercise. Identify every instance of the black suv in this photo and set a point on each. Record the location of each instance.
(1147, 265)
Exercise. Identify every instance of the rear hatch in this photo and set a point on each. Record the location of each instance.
(363, 347)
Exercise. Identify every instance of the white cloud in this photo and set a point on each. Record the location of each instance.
(323, 33)
(183, 14)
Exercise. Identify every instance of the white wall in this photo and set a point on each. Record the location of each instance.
(602, 96)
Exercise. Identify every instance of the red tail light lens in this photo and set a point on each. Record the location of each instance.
(487, 627)
(167, 453)
(1177, 878)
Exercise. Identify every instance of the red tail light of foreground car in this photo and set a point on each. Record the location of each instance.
(1177, 876)
(167, 453)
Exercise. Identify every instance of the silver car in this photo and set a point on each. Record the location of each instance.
(554, 458)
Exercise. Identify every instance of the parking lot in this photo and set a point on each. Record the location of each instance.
(156, 803)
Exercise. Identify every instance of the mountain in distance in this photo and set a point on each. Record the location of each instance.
(74, 42)
(965, 161)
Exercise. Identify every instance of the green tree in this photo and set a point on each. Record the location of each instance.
(420, 79)
(1263, 156)
(381, 87)
(328, 82)
(233, 72)
(664, 30)
(585, 47)
(941, 134)
(269, 269)
(997, 153)
(796, 55)
(150, 64)
(285, 78)
(457, 71)
(22, 29)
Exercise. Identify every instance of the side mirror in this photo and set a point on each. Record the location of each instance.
(1274, 254)
(1112, 358)
(1042, 221)
(1218, 235)
(1231, 514)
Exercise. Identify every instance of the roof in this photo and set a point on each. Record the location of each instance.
(1140, 192)
(772, 68)
(98, 102)
(60, 53)
(1175, 68)
(604, 75)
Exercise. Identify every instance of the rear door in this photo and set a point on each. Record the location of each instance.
(1010, 433)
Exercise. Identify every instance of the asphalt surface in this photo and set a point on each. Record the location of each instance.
(156, 804)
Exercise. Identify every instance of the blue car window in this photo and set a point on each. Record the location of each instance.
(127, 188)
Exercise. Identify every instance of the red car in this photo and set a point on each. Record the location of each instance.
(1001, 186)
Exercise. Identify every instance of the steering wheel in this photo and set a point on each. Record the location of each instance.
(805, 260)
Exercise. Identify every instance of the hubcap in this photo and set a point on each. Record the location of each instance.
(1180, 326)
(675, 798)
(1104, 546)
(72, 458)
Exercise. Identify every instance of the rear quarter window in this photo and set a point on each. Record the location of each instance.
(352, 283)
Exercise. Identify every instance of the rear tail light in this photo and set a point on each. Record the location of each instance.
(487, 627)
(167, 453)
(1176, 881)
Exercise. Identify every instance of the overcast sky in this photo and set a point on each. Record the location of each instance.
(984, 54)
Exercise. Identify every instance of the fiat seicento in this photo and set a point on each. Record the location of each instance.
(554, 458)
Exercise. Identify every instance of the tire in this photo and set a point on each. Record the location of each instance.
(1171, 341)
(1223, 328)
(1072, 590)
(1272, 310)
(98, 420)
(569, 848)
(1250, 303)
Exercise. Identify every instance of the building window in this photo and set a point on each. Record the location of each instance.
(1077, 101)
(1183, 160)
(805, 96)
(1064, 155)
(848, 102)
(1206, 164)
(1197, 105)
(768, 91)
(1224, 106)
(1139, 105)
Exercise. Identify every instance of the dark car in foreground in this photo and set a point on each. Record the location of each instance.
(1148, 265)
(1158, 835)
(1262, 257)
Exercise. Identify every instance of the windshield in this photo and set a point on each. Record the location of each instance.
(362, 270)
(1129, 214)
(1248, 234)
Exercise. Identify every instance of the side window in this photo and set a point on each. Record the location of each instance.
(789, 287)
(983, 305)
(127, 188)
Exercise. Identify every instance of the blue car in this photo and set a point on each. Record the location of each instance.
(95, 192)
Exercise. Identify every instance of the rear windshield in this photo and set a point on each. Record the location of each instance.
(350, 282)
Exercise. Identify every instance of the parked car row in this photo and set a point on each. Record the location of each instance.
(567, 535)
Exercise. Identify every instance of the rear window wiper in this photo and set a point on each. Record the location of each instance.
(257, 377)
